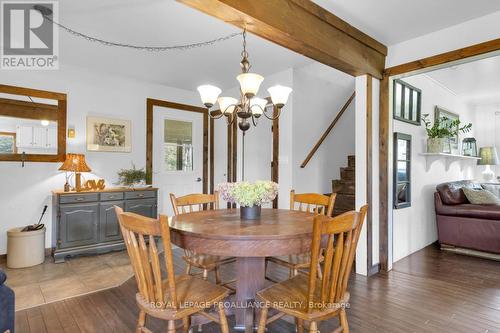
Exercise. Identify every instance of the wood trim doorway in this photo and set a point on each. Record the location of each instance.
(150, 104)
(469, 52)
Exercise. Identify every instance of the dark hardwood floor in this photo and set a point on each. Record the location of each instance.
(430, 291)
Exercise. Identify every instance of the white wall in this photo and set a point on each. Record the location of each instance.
(25, 191)
(316, 102)
(468, 33)
(487, 134)
(415, 227)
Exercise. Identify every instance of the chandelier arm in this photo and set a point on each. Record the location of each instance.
(272, 117)
(215, 117)
(255, 120)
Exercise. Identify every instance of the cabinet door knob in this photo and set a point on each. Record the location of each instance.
(79, 199)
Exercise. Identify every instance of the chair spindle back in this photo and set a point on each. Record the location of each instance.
(312, 203)
(139, 233)
(342, 235)
(194, 202)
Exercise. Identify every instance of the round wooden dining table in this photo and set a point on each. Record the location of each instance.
(221, 232)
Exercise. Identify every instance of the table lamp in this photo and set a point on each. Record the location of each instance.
(75, 163)
(488, 157)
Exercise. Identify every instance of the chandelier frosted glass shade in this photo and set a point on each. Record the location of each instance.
(249, 83)
(257, 105)
(209, 94)
(227, 104)
(279, 95)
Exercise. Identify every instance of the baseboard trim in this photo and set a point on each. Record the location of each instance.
(375, 269)
(470, 252)
(48, 253)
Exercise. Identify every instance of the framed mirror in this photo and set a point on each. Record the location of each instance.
(402, 170)
(32, 125)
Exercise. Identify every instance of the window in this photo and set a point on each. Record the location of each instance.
(178, 145)
(407, 102)
(8, 143)
(402, 170)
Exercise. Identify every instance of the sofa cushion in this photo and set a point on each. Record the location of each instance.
(452, 194)
(480, 197)
(493, 188)
(488, 212)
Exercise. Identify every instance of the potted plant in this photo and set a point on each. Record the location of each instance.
(132, 177)
(249, 196)
(439, 133)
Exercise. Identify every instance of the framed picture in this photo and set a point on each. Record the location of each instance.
(439, 113)
(110, 135)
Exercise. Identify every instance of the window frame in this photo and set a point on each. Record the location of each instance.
(402, 136)
(413, 90)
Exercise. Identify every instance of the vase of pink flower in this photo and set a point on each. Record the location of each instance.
(249, 196)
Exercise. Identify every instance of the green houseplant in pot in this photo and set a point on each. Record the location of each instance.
(439, 133)
(132, 177)
(249, 196)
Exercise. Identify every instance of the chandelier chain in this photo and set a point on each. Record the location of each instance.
(181, 47)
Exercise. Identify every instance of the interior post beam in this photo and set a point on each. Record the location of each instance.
(303, 27)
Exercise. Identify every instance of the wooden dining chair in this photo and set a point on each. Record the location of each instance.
(175, 297)
(318, 299)
(310, 203)
(196, 202)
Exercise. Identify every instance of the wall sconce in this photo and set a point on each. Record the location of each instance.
(71, 133)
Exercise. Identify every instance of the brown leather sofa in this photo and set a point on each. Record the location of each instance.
(462, 224)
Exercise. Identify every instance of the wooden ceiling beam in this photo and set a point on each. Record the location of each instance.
(303, 27)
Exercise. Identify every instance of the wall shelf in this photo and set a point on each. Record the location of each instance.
(448, 158)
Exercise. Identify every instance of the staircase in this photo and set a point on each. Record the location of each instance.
(345, 188)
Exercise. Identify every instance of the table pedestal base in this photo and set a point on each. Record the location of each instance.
(250, 274)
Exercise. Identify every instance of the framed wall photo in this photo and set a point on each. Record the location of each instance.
(109, 135)
(439, 113)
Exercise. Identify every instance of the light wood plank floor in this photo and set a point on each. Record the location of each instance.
(430, 291)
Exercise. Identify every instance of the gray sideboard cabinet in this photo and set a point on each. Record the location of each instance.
(86, 223)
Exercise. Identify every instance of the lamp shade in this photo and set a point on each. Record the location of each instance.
(227, 104)
(209, 94)
(249, 83)
(75, 163)
(488, 156)
(279, 94)
(257, 106)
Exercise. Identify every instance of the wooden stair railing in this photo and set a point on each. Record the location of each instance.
(328, 130)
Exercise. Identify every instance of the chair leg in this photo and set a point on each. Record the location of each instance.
(320, 272)
(186, 324)
(343, 321)
(140, 322)
(300, 325)
(217, 275)
(188, 269)
(313, 327)
(171, 326)
(205, 274)
(295, 272)
(262, 320)
(223, 320)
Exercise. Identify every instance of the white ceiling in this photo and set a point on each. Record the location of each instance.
(158, 23)
(166, 22)
(394, 21)
(476, 83)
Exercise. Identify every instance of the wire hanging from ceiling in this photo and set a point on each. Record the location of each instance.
(47, 13)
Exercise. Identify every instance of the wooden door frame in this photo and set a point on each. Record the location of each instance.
(447, 58)
(150, 104)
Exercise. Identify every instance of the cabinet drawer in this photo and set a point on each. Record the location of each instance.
(140, 194)
(75, 198)
(111, 196)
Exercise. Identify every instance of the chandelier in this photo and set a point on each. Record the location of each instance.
(249, 106)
